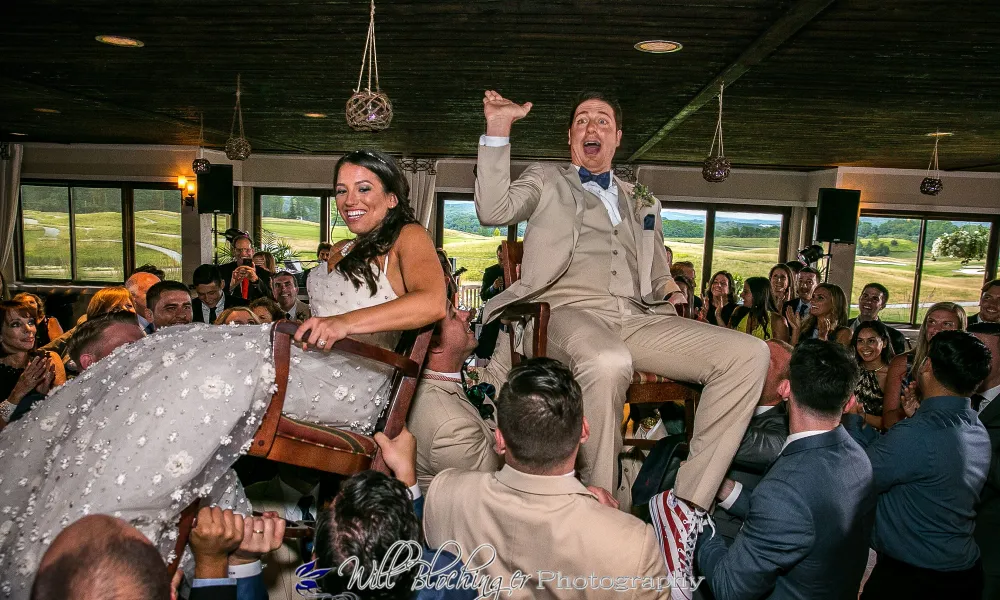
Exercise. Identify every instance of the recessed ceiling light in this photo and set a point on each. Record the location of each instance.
(940, 134)
(117, 40)
(315, 115)
(658, 46)
(48, 111)
(15, 133)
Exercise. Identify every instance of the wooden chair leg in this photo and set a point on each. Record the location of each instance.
(184, 527)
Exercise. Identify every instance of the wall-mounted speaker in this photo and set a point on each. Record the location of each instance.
(837, 215)
(215, 190)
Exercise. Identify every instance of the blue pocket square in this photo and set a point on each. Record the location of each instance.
(648, 223)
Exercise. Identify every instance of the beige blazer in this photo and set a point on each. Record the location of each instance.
(449, 431)
(551, 199)
(544, 527)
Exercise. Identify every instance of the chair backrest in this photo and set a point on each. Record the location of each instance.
(406, 363)
(512, 253)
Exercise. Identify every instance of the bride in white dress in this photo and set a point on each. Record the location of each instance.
(159, 423)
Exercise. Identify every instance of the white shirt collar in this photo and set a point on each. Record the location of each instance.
(802, 435)
(759, 410)
(456, 375)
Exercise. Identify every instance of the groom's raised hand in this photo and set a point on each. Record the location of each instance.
(501, 113)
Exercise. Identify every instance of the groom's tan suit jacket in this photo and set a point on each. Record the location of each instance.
(551, 199)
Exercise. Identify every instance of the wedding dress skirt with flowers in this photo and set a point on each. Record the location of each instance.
(155, 425)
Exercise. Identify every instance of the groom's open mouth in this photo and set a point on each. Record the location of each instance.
(591, 147)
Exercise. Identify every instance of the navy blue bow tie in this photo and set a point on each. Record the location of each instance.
(603, 180)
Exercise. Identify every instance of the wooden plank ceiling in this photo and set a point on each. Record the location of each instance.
(859, 83)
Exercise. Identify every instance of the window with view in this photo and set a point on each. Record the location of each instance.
(45, 227)
(684, 232)
(290, 226)
(471, 246)
(746, 244)
(952, 267)
(157, 222)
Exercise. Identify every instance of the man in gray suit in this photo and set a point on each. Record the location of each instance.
(806, 524)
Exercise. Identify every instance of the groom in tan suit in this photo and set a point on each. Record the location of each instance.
(595, 253)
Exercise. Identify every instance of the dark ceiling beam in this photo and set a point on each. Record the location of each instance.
(139, 113)
(789, 24)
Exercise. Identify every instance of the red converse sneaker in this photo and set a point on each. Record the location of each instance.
(678, 526)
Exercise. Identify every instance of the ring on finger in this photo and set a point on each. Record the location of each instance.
(258, 531)
(321, 343)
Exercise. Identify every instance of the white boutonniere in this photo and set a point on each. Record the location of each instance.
(644, 199)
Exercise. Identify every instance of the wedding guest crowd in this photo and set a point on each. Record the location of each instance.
(823, 448)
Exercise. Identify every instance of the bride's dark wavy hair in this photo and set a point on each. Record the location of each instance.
(361, 264)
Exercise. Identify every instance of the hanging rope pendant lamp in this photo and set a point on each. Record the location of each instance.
(200, 165)
(932, 184)
(716, 168)
(237, 148)
(367, 109)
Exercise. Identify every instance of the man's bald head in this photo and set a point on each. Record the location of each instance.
(137, 285)
(100, 557)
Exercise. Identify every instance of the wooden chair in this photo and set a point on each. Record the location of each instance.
(304, 444)
(646, 388)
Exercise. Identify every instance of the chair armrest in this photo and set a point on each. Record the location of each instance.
(531, 311)
(405, 365)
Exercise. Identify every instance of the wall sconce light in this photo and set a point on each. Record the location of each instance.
(182, 182)
(191, 187)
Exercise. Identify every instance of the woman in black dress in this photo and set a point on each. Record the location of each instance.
(873, 351)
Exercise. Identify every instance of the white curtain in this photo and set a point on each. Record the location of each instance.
(10, 184)
(421, 174)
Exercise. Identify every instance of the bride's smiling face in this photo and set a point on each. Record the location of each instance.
(361, 199)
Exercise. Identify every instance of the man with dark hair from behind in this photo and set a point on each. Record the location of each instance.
(534, 512)
(806, 524)
(371, 513)
(929, 471)
(96, 338)
(988, 513)
(168, 303)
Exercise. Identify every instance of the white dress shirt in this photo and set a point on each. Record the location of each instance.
(609, 197)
